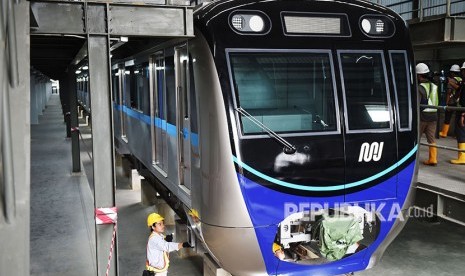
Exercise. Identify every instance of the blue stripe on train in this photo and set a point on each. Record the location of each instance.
(159, 123)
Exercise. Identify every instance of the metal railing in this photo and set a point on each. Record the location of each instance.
(411, 9)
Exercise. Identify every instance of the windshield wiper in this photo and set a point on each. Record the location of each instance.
(288, 147)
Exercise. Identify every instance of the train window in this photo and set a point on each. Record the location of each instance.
(365, 90)
(400, 75)
(115, 84)
(194, 123)
(170, 89)
(140, 89)
(284, 91)
(127, 85)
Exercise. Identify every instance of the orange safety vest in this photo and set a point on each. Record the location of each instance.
(165, 258)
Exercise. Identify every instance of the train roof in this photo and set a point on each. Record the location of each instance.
(210, 9)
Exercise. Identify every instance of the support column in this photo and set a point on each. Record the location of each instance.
(64, 83)
(102, 144)
(74, 122)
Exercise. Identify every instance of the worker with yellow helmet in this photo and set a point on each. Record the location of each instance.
(278, 251)
(157, 262)
(428, 116)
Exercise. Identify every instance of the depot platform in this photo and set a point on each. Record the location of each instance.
(63, 231)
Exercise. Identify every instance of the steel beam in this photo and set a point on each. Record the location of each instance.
(102, 143)
(92, 17)
(151, 21)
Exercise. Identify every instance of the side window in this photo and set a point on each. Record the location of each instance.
(193, 115)
(400, 75)
(115, 84)
(170, 89)
(140, 89)
(128, 91)
(365, 91)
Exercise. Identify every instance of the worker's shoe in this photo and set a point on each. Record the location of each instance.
(444, 131)
(433, 153)
(461, 159)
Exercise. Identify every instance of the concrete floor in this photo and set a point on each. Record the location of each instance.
(62, 227)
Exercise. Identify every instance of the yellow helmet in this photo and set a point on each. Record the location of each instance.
(153, 218)
(193, 213)
(276, 247)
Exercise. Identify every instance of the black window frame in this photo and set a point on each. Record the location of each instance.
(396, 92)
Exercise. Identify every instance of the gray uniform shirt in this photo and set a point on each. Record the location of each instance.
(155, 248)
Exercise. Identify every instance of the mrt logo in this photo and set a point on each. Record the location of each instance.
(371, 152)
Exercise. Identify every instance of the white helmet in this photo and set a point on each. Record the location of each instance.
(455, 68)
(463, 66)
(421, 69)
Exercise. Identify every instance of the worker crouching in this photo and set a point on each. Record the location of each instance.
(158, 248)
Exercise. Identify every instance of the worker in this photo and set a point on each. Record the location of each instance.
(278, 251)
(158, 248)
(428, 116)
(460, 121)
(451, 96)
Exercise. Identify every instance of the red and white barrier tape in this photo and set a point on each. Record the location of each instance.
(108, 216)
(111, 250)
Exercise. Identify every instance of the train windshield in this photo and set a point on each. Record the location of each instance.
(366, 94)
(287, 92)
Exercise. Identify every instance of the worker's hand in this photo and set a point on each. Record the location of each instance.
(169, 238)
(186, 245)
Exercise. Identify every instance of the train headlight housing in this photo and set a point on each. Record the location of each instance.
(238, 22)
(377, 26)
(249, 22)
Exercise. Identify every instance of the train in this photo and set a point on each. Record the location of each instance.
(285, 130)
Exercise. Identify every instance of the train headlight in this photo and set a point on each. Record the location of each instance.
(256, 23)
(377, 26)
(249, 22)
(366, 26)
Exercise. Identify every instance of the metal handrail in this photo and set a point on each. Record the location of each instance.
(444, 107)
(441, 147)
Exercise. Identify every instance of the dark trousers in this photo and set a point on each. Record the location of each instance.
(459, 130)
(448, 116)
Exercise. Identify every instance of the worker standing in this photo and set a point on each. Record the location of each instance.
(158, 248)
(428, 116)
(460, 121)
(453, 83)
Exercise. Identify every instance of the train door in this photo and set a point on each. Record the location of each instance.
(182, 116)
(405, 105)
(158, 111)
(370, 138)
